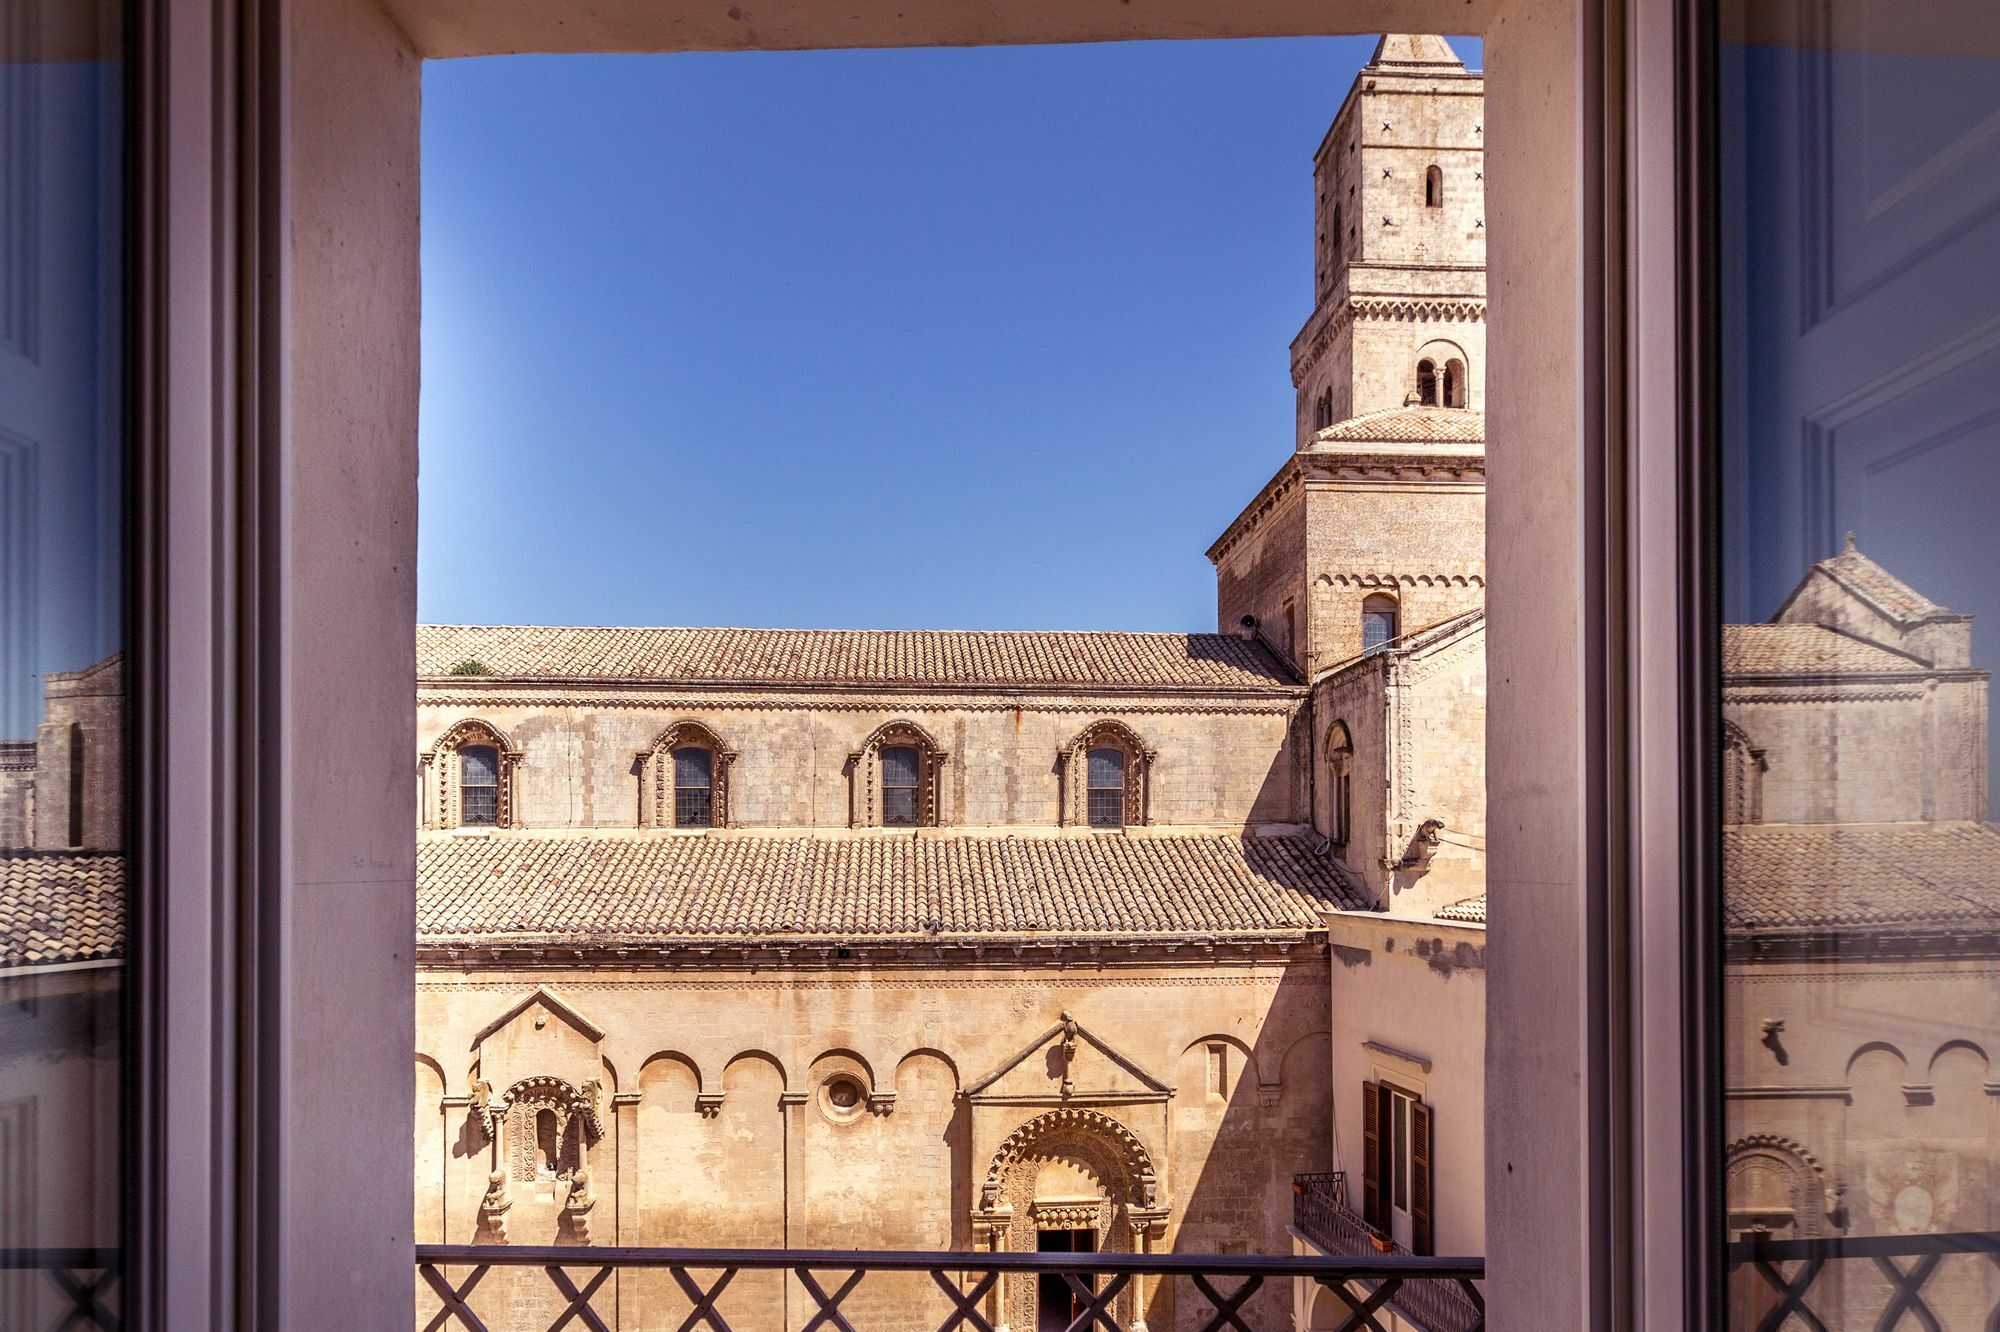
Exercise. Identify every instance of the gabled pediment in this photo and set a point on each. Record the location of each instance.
(1068, 1062)
(546, 1001)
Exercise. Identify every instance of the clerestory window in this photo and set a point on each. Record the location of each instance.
(1434, 188)
(479, 786)
(902, 774)
(694, 787)
(1107, 787)
(1378, 622)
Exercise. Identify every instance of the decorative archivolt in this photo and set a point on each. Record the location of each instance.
(1469, 312)
(1771, 1159)
(515, 1119)
(656, 774)
(1043, 1136)
(1073, 761)
(442, 808)
(1743, 769)
(865, 774)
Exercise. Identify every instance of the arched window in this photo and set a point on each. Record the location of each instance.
(1743, 769)
(479, 786)
(548, 1143)
(469, 778)
(1107, 787)
(1434, 188)
(1454, 383)
(1323, 409)
(1105, 772)
(1427, 383)
(694, 787)
(896, 779)
(684, 778)
(1378, 621)
(902, 769)
(1340, 761)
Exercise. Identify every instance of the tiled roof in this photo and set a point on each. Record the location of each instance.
(1804, 649)
(60, 906)
(1472, 909)
(571, 889)
(1408, 425)
(1873, 583)
(1861, 876)
(853, 656)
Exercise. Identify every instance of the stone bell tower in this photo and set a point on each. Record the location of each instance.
(1375, 527)
(1400, 262)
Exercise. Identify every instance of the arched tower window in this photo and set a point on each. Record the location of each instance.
(1323, 409)
(1454, 383)
(1378, 621)
(896, 779)
(684, 778)
(469, 778)
(1434, 188)
(1105, 771)
(1427, 383)
(1333, 251)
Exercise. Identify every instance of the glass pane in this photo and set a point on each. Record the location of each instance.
(899, 807)
(1107, 767)
(692, 807)
(693, 767)
(1107, 808)
(1860, 201)
(480, 765)
(62, 672)
(1377, 628)
(899, 766)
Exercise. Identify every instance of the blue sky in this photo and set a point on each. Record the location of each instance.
(986, 338)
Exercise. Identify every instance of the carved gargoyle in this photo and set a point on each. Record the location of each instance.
(1424, 845)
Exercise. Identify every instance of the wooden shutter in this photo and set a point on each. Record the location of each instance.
(1421, 1239)
(1372, 1210)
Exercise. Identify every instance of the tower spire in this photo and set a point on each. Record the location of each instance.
(1414, 51)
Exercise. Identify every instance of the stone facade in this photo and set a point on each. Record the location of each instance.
(64, 790)
(942, 940)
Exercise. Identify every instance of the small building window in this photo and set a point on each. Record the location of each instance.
(1434, 188)
(1378, 622)
(1340, 756)
(479, 785)
(1427, 383)
(694, 787)
(1454, 383)
(1107, 787)
(902, 770)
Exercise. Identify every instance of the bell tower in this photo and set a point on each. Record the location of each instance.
(1399, 315)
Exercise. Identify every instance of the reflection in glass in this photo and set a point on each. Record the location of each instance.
(1860, 198)
(62, 674)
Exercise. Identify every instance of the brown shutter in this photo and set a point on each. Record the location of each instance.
(1371, 1153)
(1421, 1239)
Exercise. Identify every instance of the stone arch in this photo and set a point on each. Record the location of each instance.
(1307, 1064)
(673, 1080)
(1775, 1184)
(1875, 1047)
(1452, 369)
(442, 805)
(1949, 1047)
(745, 1058)
(1104, 1181)
(865, 777)
(1073, 761)
(656, 774)
(1743, 769)
(927, 1052)
(542, 1114)
(1245, 1072)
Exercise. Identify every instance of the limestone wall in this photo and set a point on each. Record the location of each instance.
(1422, 542)
(1221, 760)
(719, 1130)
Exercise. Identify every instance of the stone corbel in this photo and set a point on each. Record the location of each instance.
(882, 1103)
(1267, 1094)
(708, 1103)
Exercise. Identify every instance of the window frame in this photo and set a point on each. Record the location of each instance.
(867, 806)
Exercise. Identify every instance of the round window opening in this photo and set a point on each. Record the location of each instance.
(844, 1096)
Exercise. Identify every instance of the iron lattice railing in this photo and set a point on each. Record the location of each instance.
(1822, 1285)
(578, 1275)
(80, 1289)
(1321, 1216)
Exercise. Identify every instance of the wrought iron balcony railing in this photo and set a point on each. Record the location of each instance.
(1881, 1281)
(73, 1289)
(1104, 1289)
(1321, 1216)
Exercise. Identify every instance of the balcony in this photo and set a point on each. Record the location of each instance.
(1321, 1217)
(1885, 1281)
(1105, 1289)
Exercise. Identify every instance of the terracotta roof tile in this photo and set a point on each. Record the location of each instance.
(1472, 909)
(1408, 425)
(1805, 649)
(1872, 582)
(1800, 876)
(853, 656)
(580, 889)
(60, 906)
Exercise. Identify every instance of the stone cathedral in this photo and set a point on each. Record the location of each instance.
(830, 939)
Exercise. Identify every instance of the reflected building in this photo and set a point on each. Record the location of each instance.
(1862, 901)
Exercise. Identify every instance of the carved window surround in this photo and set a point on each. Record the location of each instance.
(438, 769)
(864, 768)
(1073, 762)
(656, 774)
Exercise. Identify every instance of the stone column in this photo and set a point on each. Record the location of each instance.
(625, 1219)
(1142, 1234)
